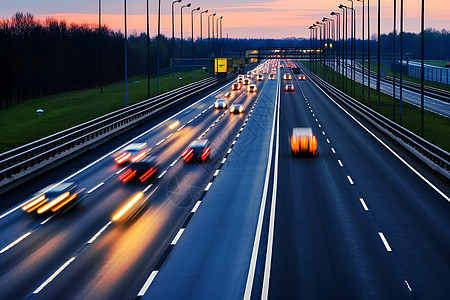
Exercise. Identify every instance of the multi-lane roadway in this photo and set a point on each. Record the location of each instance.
(359, 220)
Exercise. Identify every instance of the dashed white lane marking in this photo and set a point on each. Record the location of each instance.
(15, 242)
(120, 171)
(147, 188)
(196, 206)
(340, 163)
(320, 126)
(99, 233)
(162, 174)
(147, 283)
(224, 160)
(204, 111)
(167, 137)
(208, 186)
(350, 179)
(160, 142)
(190, 121)
(181, 128)
(229, 151)
(363, 204)
(95, 187)
(174, 162)
(46, 220)
(332, 149)
(323, 132)
(328, 141)
(177, 237)
(408, 286)
(54, 275)
(385, 242)
(215, 173)
(317, 120)
(234, 142)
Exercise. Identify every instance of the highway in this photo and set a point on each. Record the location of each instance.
(360, 220)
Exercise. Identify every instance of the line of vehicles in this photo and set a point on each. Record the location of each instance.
(139, 166)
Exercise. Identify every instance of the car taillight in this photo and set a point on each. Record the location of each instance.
(147, 174)
(187, 154)
(294, 144)
(205, 153)
(313, 144)
(127, 175)
(303, 143)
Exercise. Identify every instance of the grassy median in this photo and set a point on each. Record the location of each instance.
(436, 127)
(21, 125)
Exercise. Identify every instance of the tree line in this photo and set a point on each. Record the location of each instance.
(39, 58)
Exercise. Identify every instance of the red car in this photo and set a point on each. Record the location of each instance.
(197, 150)
(236, 86)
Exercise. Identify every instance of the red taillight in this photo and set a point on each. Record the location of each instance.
(187, 154)
(205, 153)
(313, 145)
(147, 174)
(127, 175)
(286, 88)
(123, 157)
(294, 144)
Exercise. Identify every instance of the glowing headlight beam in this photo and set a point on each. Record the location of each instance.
(33, 203)
(174, 124)
(128, 206)
(52, 203)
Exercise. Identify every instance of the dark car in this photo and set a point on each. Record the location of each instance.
(289, 88)
(140, 171)
(237, 109)
(53, 198)
(220, 104)
(197, 151)
(132, 153)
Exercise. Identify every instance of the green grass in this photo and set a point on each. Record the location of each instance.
(437, 63)
(373, 67)
(20, 124)
(436, 127)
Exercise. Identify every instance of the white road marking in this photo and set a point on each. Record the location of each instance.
(160, 142)
(332, 149)
(147, 188)
(208, 186)
(196, 206)
(408, 286)
(317, 120)
(224, 160)
(54, 275)
(174, 162)
(328, 141)
(190, 121)
(120, 171)
(340, 163)
(350, 179)
(162, 174)
(46, 220)
(98, 233)
(229, 150)
(323, 132)
(363, 204)
(95, 187)
(15, 242)
(169, 136)
(320, 126)
(234, 142)
(387, 147)
(177, 237)
(147, 284)
(215, 173)
(385, 242)
(181, 128)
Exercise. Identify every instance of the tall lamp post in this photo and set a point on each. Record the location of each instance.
(393, 70)
(159, 37)
(209, 40)
(315, 47)
(201, 39)
(422, 72)
(173, 42)
(338, 16)
(345, 46)
(100, 44)
(378, 57)
(321, 43)
(363, 60)
(126, 60)
(217, 32)
(221, 31)
(401, 59)
(192, 40)
(310, 44)
(353, 47)
(181, 16)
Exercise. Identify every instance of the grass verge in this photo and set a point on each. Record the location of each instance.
(436, 127)
(21, 125)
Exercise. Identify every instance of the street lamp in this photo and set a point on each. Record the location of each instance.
(330, 45)
(201, 39)
(345, 46)
(378, 57)
(401, 59)
(100, 44)
(192, 41)
(209, 39)
(393, 82)
(315, 47)
(321, 42)
(310, 44)
(353, 47)
(173, 43)
(363, 61)
(126, 75)
(159, 37)
(217, 32)
(422, 82)
(338, 16)
(181, 15)
(221, 31)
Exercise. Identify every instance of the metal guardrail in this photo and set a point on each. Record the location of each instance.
(17, 163)
(438, 156)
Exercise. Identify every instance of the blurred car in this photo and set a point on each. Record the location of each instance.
(289, 87)
(301, 77)
(237, 109)
(260, 77)
(131, 208)
(247, 81)
(303, 141)
(271, 77)
(236, 86)
(251, 88)
(132, 153)
(249, 74)
(228, 94)
(198, 151)
(140, 171)
(287, 76)
(240, 79)
(273, 72)
(281, 66)
(53, 198)
(221, 103)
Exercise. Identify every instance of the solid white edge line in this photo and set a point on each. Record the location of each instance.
(15, 242)
(208, 186)
(177, 237)
(363, 203)
(196, 206)
(147, 283)
(54, 275)
(387, 147)
(98, 233)
(350, 179)
(118, 148)
(385, 242)
(96, 187)
(252, 267)
(268, 263)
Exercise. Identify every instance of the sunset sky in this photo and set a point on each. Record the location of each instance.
(241, 18)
